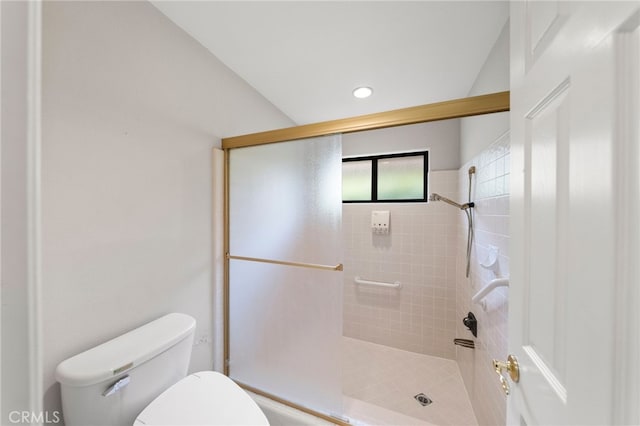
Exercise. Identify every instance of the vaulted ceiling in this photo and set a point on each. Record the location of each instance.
(306, 57)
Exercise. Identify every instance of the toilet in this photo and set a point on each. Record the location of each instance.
(140, 378)
(204, 398)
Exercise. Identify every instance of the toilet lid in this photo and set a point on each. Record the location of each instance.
(204, 398)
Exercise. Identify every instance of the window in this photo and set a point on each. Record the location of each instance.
(385, 178)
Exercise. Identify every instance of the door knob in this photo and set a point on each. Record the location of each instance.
(511, 367)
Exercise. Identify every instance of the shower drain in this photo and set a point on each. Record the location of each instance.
(423, 399)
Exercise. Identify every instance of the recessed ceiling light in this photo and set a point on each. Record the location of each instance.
(362, 92)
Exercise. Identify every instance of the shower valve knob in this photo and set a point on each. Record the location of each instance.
(471, 323)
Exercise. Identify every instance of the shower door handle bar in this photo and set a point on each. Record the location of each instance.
(338, 267)
(395, 284)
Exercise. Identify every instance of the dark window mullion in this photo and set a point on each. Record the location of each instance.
(425, 166)
(374, 180)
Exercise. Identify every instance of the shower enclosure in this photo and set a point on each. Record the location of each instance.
(284, 279)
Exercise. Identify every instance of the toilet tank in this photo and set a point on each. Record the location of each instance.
(112, 383)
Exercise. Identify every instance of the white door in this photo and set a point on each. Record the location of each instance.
(574, 109)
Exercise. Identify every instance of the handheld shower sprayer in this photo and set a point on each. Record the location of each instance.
(467, 208)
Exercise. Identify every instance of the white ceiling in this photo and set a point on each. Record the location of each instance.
(306, 57)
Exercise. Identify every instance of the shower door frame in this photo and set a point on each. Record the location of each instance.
(457, 108)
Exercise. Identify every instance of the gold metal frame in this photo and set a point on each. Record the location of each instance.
(333, 420)
(225, 274)
(457, 108)
(465, 107)
(338, 267)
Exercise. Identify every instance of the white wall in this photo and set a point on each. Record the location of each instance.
(15, 262)
(477, 133)
(441, 138)
(132, 107)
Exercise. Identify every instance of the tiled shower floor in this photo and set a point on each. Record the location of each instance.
(379, 384)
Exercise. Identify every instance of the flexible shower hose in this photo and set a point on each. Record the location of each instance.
(469, 213)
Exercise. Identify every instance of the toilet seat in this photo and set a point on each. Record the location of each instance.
(203, 398)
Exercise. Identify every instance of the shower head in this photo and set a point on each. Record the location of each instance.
(438, 197)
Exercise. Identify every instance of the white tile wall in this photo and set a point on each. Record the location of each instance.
(420, 252)
(490, 190)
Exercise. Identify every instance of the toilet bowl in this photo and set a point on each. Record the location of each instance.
(203, 398)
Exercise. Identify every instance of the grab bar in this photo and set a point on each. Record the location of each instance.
(395, 284)
(338, 267)
(498, 282)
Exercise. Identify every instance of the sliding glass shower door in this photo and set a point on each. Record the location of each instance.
(285, 279)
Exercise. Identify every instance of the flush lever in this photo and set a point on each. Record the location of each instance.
(116, 386)
(511, 367)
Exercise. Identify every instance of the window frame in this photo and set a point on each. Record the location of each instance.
(374, 176)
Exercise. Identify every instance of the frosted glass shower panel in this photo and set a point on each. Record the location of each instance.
(285, 322)
(285, 201)
(286, 331)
